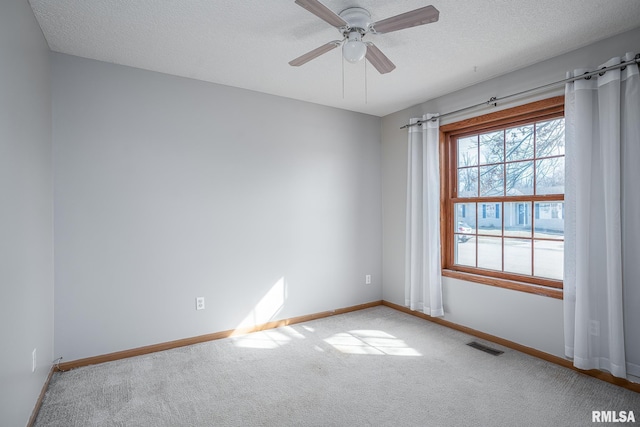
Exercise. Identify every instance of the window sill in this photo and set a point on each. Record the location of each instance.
(503, 283)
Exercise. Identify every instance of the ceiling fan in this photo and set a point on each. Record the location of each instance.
(354, 23)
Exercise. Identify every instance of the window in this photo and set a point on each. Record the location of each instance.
(503, 198)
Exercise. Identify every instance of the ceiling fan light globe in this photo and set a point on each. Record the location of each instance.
(354, 51)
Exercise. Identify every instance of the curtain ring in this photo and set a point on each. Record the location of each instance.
(602, 73)
(588, 77)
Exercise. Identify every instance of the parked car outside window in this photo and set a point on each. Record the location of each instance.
(463, 227)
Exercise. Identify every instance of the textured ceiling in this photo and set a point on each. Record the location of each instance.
(248, 43)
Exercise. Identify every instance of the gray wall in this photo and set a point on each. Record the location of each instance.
(527, 319)
(167, 189)
(26, 212)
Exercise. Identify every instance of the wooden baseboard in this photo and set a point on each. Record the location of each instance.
(36, 408)
(604, 376)
(208, 337)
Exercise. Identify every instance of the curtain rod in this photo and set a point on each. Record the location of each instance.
(494, 101)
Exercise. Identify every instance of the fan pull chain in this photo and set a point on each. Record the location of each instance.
(366, 99)
(342, 76)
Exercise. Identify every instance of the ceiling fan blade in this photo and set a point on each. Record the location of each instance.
(378, 59)
(322, 12)
(424, 15)
(303, 59)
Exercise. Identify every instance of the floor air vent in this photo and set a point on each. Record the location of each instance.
(484, 348)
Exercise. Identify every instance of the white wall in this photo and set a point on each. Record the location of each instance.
(527, 319)
(167, 189)
(26, 212)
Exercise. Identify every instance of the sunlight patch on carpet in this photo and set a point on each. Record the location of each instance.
(371, 342)
(264, 340)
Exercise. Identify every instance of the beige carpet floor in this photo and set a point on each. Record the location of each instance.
(374, 367)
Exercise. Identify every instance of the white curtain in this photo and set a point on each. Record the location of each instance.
(602, 221)
(423, 281)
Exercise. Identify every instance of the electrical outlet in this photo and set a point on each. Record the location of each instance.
(200, 303)
(33, 360)
(367, 279)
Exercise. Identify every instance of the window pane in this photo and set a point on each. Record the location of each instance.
(519, 143)
(549, 220)
(464, 253)
(465, 219)
(550, 138)
(468, 151)
(517, 256)
(492, 180)
(490, 253)
(468, 182)
(489, 221)
(550, 176)
(549, 259)
(506, 196)
(492, 147)
(519, 178)
(517, 219)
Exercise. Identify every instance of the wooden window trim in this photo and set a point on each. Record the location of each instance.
(536, 111)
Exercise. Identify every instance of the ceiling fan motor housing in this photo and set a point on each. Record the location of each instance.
(359, 20)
